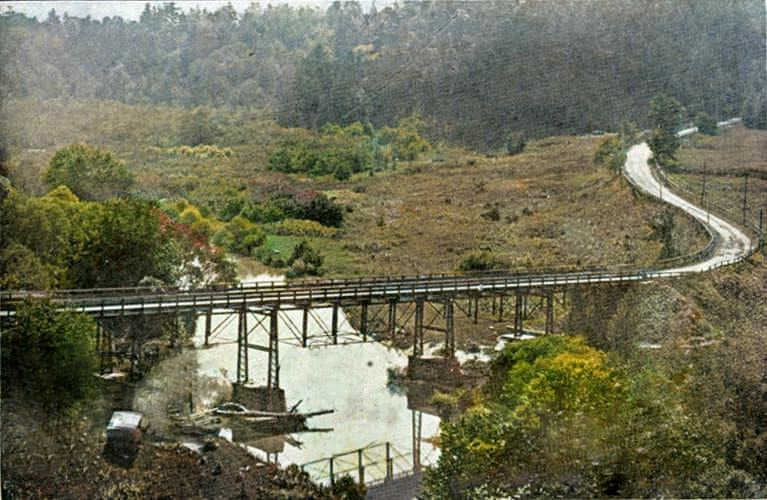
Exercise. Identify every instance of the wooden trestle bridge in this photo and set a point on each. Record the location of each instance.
(386, 307)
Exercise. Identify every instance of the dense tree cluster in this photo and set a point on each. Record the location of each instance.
(304, 204)
(476, 71)
(561, 419)
(49, 356)
(58, 241)
(344, 151)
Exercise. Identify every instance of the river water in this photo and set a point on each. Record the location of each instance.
(350, 379)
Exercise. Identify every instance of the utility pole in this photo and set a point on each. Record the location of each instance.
(745, 197)
(703, 191)
(761, 229)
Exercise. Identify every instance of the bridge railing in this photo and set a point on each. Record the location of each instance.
(371, 464)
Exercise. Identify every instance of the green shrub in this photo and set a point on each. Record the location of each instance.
(307, 205)
(240, 236)
(481, 261)
(705, 123)
(493, 214)
(189, 216)
(515, 143)
(611, 153)
(305, 260)
(300, 227)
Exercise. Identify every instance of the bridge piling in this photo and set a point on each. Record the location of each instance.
(418, 329)
(518, 327)
(364, 321)
(304, 325)
(449, 329)
(549, 313)
(208, 325)
(360, 468)
(242, 346)
(273, 375)
(391, 327)
(334, 324)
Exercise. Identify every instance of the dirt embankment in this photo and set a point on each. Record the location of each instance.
(66, 459)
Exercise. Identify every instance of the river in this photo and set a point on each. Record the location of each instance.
(350, 379)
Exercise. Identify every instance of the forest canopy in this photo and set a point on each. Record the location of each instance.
(475, 71)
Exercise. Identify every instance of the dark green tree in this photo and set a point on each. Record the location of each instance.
(304, 260)
(705, 123)
(49, 355)
(666, 115)
(515, 143)
(91, 173)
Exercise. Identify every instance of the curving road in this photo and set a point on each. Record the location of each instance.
(732, 244)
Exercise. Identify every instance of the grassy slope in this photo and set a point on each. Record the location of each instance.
(727, 158)
(555, 206)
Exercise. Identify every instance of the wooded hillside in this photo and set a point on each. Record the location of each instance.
(476, 71)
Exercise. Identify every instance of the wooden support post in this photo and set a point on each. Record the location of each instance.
(518, 315)
(392, 326)
(524, 308)
(494, 305)
(364, 321)
(273, 374)
(550, 313)
(133, 351)
(500, 307)
(304, 325)
(242, 346)
(107, 349)
(476, 309)
(332, 474)
(360, 468)
(449, 329)
(99, 335)
(389, 462)
(418, 329)
(334, 324)
(208, 321)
